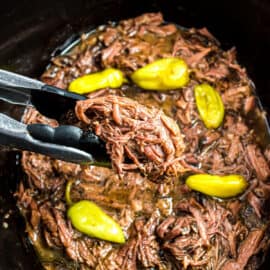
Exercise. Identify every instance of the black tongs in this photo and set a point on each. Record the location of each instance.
(68, 143)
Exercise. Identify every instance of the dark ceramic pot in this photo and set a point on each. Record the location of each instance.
(31, 30)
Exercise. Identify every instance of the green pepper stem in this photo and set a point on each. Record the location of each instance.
(67, 192)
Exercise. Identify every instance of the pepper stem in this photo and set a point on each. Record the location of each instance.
(67, 192)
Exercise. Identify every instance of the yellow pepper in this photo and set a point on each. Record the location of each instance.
(110, 77)
(210, 105)
(217, 186)
(163, 74)
(88, 218)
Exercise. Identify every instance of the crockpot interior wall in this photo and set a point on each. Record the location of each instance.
(31, 29)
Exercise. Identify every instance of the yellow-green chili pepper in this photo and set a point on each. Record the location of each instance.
(88, 218)
(110, 77)
(163, 74)
(210, 105)
(217, 186)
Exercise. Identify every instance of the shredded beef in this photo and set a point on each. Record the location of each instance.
(198, 235)
(155, 139)
(146, 136)
(258, 162)
(247, 249)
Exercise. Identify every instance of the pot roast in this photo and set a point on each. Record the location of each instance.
(166, 224)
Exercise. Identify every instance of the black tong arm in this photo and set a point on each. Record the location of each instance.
(48, 100)
(67, 143)
(15, 134)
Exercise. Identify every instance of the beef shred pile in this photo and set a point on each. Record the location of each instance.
(149, 138)
(149, 133)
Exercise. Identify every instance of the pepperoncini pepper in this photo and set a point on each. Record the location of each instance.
(217, 186)
(110, 77)
(163, 74)
(210, 105)
(90, 219)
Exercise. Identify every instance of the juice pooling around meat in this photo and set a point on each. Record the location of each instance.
(166, 225)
